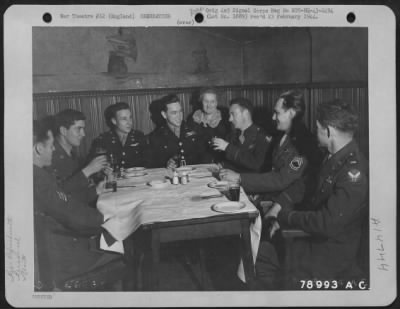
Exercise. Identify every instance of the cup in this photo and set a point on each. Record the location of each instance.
(100, 151)
(111, 181)
(234, 190)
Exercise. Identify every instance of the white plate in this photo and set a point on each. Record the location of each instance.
(228, 207)
(210, 194)
(185, 169)
(135, 169)
(200, 174)
(218, 185)
(158, 184)
(135, 174)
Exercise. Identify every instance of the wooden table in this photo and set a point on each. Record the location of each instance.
(148, 239)
(183, 219)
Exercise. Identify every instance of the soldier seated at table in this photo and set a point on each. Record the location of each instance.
(71, 172)
(295, 152)
(66, 257)
(126, 145)
(337, 211)
(175, 141)
(246, 147)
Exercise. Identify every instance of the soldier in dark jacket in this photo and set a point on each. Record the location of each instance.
(65, 228)
(176, 140)
(338, 208)
(125, 144)
(246, 146)
(289, 158)
(71, 172)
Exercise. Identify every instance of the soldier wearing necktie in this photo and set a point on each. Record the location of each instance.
(336, 213)
(247, 145)
(176, 140)
(127, 145)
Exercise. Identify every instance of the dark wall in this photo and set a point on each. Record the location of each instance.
(79, 58)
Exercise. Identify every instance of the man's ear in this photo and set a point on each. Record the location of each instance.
(114, 122)
(164, 114)
(38, 148)
(63, 130)
(292, 113)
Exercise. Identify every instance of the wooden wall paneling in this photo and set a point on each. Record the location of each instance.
(93, 104)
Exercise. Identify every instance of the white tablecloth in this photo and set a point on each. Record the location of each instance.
(174, 202)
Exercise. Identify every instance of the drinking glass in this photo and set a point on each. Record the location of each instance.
(234, 189)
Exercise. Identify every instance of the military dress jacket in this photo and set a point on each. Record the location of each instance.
(63, 229)
(129, 155)
(164, 144)
(248, 156)
(67, 170)
(288, 167)
(335, 220)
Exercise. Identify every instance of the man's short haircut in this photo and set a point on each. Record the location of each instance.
(294, 99)
(111, 112)
(244, 104)
(203, 91)
(66, 119)
(169, 99)
(41, 129)
(337, 114)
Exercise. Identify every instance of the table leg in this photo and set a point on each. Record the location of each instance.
(246, 252)
(155, 260)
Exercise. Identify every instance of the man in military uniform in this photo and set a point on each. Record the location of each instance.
(288, 163)
(338, 208)
(65, 228)
(125, 144)
(247, 145)
(175, 141)
(70, 171)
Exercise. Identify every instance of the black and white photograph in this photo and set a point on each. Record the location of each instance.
(234, 159)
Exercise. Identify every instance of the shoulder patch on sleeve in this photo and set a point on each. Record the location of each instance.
(354, 175)
(296, 163)
(268, 138)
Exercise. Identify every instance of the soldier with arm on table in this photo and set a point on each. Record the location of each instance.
(72, 175)
(247, 145)
(338, 207)
(65, 230)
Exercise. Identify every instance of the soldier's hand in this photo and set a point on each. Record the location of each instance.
(171, 163)
(220, 144)
(274, 211)
(101, 187)
(228, 175)
(96, 165)
(274, 227)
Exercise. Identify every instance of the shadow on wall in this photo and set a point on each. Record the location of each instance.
(155, 109)
(262, 116)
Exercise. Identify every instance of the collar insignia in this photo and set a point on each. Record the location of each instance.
(190, 133)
